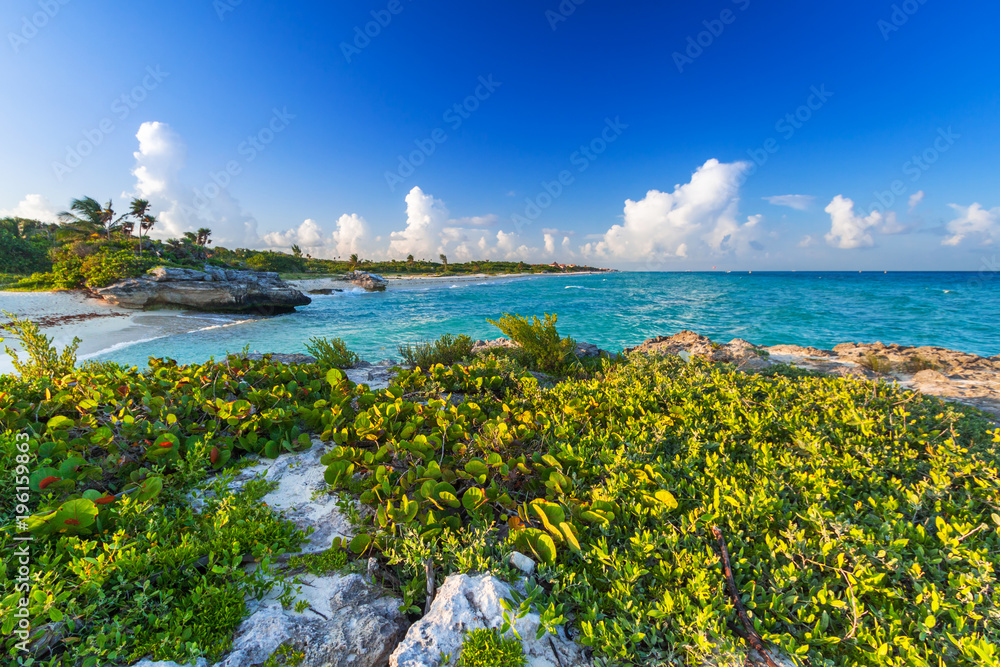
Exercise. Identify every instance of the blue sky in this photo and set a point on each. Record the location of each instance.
(671, 107)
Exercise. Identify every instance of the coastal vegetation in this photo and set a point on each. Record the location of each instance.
(93, 246)
(858, 520)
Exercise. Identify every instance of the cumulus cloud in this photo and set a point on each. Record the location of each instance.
(550, 243)
(350, 237)
(180, 208)
(798, 202)
(33, 207)
(426, 218)
(849, 230)
(974, 222)
(915, 200)
(698, 215)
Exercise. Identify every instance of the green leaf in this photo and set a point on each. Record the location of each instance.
(666, 498)
(360, 543)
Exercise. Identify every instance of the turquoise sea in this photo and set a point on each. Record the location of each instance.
(955, 310)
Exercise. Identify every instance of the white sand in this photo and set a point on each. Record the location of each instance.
(113, 328)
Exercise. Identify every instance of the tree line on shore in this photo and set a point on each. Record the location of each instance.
(93, 245)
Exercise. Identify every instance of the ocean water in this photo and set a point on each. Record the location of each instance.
(955, 310)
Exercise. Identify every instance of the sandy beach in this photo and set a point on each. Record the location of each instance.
(63, 315)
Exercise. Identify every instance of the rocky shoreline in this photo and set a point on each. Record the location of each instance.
(934, 371)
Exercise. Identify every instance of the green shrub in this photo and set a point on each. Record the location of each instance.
(332, 352)
(875, 363)
(44, 360)
(916, 363)
(67, 271)
(22, 256)
(445, 350)
(540, 340)
(108, 266)
(487, 648)
(331, 560)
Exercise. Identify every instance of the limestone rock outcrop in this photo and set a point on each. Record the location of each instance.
(213, 290)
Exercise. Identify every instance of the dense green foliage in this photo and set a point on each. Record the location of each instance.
(861, 519)
(331, 353)
(487, 648)
(445, 350)
(112, 453)
(19, 254)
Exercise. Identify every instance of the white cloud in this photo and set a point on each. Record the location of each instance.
(798, 202)
(702, 213)
(476, 221)
(350, 235)
(892, 225)
(915, 200)
(348, 238)
(426, 219)
(307, 235)
(550, 243)
(847, 229)
(33, 207)
(974, 221)
(807, 242)
(158, 165)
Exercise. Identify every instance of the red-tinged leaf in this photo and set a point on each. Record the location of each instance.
(165, 445)
(105, 500)
(48, 480)
(215, 455)
(71, 522)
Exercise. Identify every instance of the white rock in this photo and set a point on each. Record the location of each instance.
(522, 562)
(361, 626)
(166, 663)
(465, 603)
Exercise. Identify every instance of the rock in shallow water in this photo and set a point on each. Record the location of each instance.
(465, 603)
(370, 281)
(213, 290)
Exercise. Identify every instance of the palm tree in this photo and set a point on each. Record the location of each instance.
(409, 260)
(83, 220)
(202, 237)
(444, 260)
(139, 211)
(354, 260)
(296, 251)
